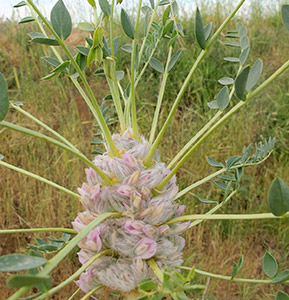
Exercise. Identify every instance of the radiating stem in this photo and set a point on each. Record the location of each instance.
(201, 56)
(74, 294)
(37, 177)
(132, 86)
(49, 229)
(87, 296)
(111, 27)
(73, 276)
(218, 276)
(152, 263)
(59, 144)
(100, 117)
(52, 263)
(227, 217)
(62, 138)
(160, 97)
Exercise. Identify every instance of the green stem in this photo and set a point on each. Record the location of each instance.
(194, 139)
(74, 294)
(111, 28)
(49, 229)
(52, 263)
(73, 276)
(62, 138)
(132, 87)
(218, 276)
(87, 296)
(227, 217)
(37, 177)
(160, 97)
(152, 263)
(59, 144)
(201, 56)
(100, 117)
(215, 174)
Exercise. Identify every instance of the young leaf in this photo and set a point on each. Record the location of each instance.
(214, 163)
(156, 64)
(18, 281)
(244, 55)
(254, 74)
(152, 2)
(199, 30)
(52, 61)
(237, 267)
(281, 277)
(4, 101)
(226, 80)
(26, 20)
(174, 59)
(241, 82)
(116, 43)
(37, 37)
(127, 48)
(282, 296)
(61, 20)
(85, 26)
(270, 265)
(208, 201)
(213, 104)
(19, 262)
(208, 30)
(119, 75)
(126, 24)
(232, 59)
(285, 15)
(223, 98)
(19, 4)
(278, 197)
(147, 284)
(232, 44)
(232, 161)
(61, 67)
(244, 42)
(105, 7)
(83, 50)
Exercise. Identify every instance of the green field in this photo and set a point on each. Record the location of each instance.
(212, 246)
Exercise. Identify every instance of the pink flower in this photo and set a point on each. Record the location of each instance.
(180, 210)
(93, 241)
(77, 224)
(134, 227)
(146, 248)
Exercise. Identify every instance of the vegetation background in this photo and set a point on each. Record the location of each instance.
(213, 245)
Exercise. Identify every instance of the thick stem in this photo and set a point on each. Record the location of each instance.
(59, 136)
(132, 87)
(160, 97)
(149, 157)
(111, 28)
(49, 229)
(46, 138)
(37, 177)
(227, 217)
(100, 117)
(218, 276)
(73, 276)
(52, 263)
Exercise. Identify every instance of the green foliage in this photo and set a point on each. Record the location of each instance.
(281, 277)
(61, 20)
(26, 20)
(40, 38)
(241, 82)
(278, 197)
(282, 296)
(18, 281)
(270, 265)
(156, 65)
(285, 15)
(237, 267)
(199, 30)
(105, 7)
(19, 262)
(126, 24)
(254, 74)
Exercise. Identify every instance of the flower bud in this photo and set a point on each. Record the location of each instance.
(146, 248)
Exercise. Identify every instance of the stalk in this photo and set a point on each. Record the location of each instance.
(227, 217)
(218, 276)
(111, 28)
(201, 56)
(73, 276)
(49, 229)
(99, 115)
(160, 97)
(52, 263)
(87, 296)
(59, 144)
(215, 174)
(74, 294)
(42, 179)
(152, 263)
(132, 87)
(59, 136)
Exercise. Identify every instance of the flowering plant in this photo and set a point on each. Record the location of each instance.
(129, 233)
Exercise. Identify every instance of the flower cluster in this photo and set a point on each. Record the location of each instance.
(140, 233)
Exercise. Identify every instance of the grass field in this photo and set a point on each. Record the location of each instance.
(211, 246)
